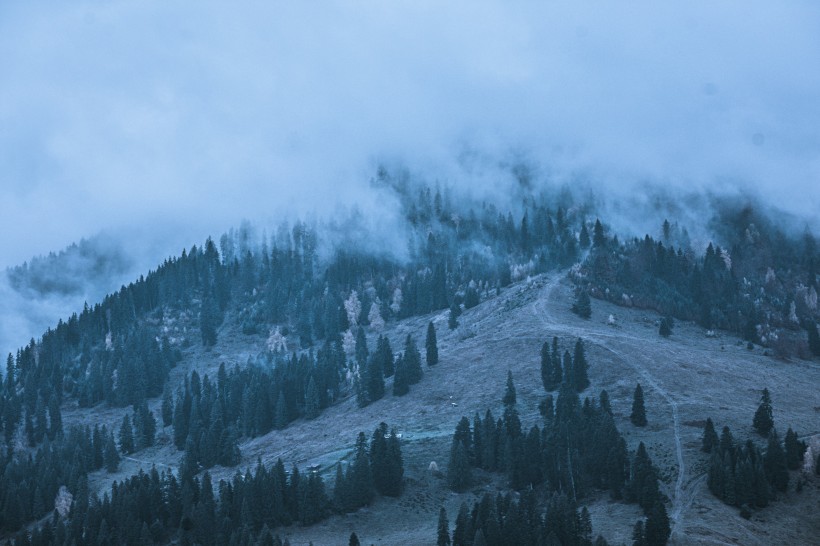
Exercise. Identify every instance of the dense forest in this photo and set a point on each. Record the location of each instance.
(312, 302)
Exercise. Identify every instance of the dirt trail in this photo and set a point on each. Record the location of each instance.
(541, 311)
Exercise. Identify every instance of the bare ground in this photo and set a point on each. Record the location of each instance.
(686, 379)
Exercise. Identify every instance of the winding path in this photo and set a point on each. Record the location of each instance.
(679, 503)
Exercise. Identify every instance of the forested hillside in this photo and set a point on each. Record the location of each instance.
(312, 302)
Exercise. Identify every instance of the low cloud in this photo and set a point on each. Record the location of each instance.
(166, 122)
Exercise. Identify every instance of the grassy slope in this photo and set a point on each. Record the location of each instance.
(694, 377)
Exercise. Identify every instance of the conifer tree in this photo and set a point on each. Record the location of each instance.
(360, 477)
(814, 338)
(774, 463)
(710, 437)
(385, 355)
(580, 378)
(582, 305)
(509, 393)
(111, 458)
(546, 368)
(459, 475)
(167, 408)
(794, 450)
(584, 240)
(604, 402)
(432, 345)
(463, 528)
(401, 381)
(763, 421)
(412, 361)
(354, 540)
(126, 436)
(665, 329)
(312, 408)
(598, 238)
(638, 415)
(452, 318)
(657, 529)
(361, 348)
(443, 528)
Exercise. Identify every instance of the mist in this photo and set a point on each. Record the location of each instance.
(161, 123)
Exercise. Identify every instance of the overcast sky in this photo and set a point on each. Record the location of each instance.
(169, 121)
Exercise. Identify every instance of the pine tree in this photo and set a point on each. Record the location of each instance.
(126, 436)
(546, 368)
(459, 475)
(657, 530)
(638, 415)
(582, 305)
(583, 239)
(360, 477)
(814, 338)
(665, 329)
(463, 532)
(794, 450)
(443, 528)
(374, 378)
(167, 408)
(412, 361)
(385, 355)
(111, 458)
(452, 319)
(361, 348)
(710, 437)
(604, 402)
(431, 345)
(774, 463)
(763, 421)
(354, 540)
(643, 485)
(312, 408)
(509, 393)
(401, 382)
(598, 238)
(580, 378)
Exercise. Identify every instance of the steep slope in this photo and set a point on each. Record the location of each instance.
(686, 378)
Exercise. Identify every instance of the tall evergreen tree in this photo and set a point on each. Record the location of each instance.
(167, 408)
(598, 237)
(774, 463)
(111, 458)
(580, 378)
(509, 393)
(710, 437)
(126, 436)
(412, 361)
(432, 345)
(546, 369)
(452, 318)
(582, 305)
(360, 477)
(459, 475)
(401, 380)
(638, 415)
(665, 329)
(312, 402)
(583, 239)
(794, 450)
(385, 354)
(763, 421)
(657, 530)
(443, 528)
(814, 338)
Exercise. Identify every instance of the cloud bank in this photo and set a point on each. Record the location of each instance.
(165, 122)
